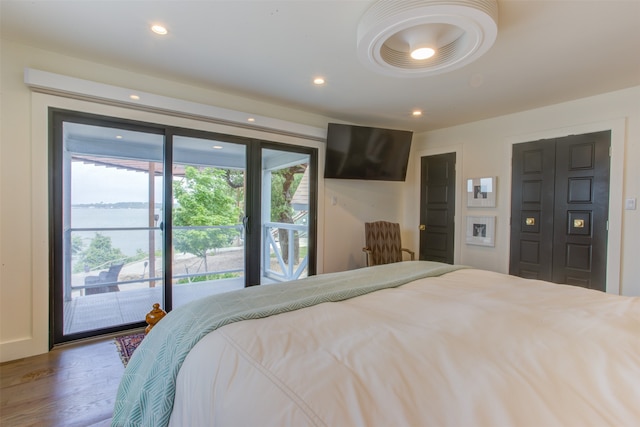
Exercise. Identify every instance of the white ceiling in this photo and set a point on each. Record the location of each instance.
(546, 52)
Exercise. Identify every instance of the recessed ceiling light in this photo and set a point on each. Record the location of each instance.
(217, 147)
(251, 119)
(134, 97)
(416, 113)
(159, 29)
(318, 81)
(423, 53)
(118, 136)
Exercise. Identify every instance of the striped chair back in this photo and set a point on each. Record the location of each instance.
(383, 240)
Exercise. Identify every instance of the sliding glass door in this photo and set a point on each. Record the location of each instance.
(208, 213)
(144, 214)
(109, 264)
(285, 214)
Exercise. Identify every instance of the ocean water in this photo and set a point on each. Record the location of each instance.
(129, 242)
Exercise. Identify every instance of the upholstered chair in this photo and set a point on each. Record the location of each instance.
(383, 243)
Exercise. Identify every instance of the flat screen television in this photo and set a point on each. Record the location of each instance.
(359, 152)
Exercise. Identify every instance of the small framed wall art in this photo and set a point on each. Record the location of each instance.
(481, 192)
(481, 230)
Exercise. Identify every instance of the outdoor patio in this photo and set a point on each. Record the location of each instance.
(89, 312)
(85, 311)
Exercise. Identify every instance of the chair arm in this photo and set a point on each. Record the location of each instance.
(90, 280)
(410, 252)
(369, 254)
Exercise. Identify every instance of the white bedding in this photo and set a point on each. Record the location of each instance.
(470, 348)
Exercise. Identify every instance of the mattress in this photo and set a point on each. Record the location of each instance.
(467, 348)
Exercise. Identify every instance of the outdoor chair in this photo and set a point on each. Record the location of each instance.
(109, 276)
(383, 243)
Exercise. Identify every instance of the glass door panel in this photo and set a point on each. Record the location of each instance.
(111, 244)
(285, 215)
(226, 225)
(207, 218)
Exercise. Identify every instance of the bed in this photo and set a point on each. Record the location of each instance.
(414, 343)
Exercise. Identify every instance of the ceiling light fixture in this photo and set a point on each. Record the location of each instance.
(422, 53)
(217, 147)
(251, 119)
(416, 113)
(318, 81)
(134, 97)
(159, 29)
(455, 33)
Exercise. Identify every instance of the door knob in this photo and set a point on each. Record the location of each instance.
(423, 227)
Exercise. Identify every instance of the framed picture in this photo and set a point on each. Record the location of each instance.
(481, 230)
(481, 192)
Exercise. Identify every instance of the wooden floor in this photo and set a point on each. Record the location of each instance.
(72, 385)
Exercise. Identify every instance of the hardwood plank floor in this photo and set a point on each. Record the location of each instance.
(72, 385)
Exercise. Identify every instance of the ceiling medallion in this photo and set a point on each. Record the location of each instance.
(459, 31)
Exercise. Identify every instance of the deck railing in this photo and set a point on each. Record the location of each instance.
(283, 268)
(288, 269)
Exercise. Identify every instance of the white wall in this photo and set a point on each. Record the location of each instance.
(348, 205)
(24, 244)
(484, 149)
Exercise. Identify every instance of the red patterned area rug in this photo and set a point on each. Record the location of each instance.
(126, 345)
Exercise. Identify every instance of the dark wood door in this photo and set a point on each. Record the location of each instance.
(582, 210)
(559, 210)
(437, 207)
(532, 195)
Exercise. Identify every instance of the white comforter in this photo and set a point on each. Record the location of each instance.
(470, 348)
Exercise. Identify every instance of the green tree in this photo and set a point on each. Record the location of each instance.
(284, 183)
(204, 198)
(101, 253)
(76, 244)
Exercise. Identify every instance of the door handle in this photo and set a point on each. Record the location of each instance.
(422, 227)
(245, 224)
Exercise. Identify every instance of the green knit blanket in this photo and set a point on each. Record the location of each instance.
(146, 392)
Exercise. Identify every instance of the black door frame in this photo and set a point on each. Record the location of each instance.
(438, 225)
(550, 207)
(618, 140)
(57, 116)
(458, 227)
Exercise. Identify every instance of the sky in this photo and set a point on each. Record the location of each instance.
(96, 184)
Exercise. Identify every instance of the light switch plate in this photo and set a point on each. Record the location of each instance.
(630, 204)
